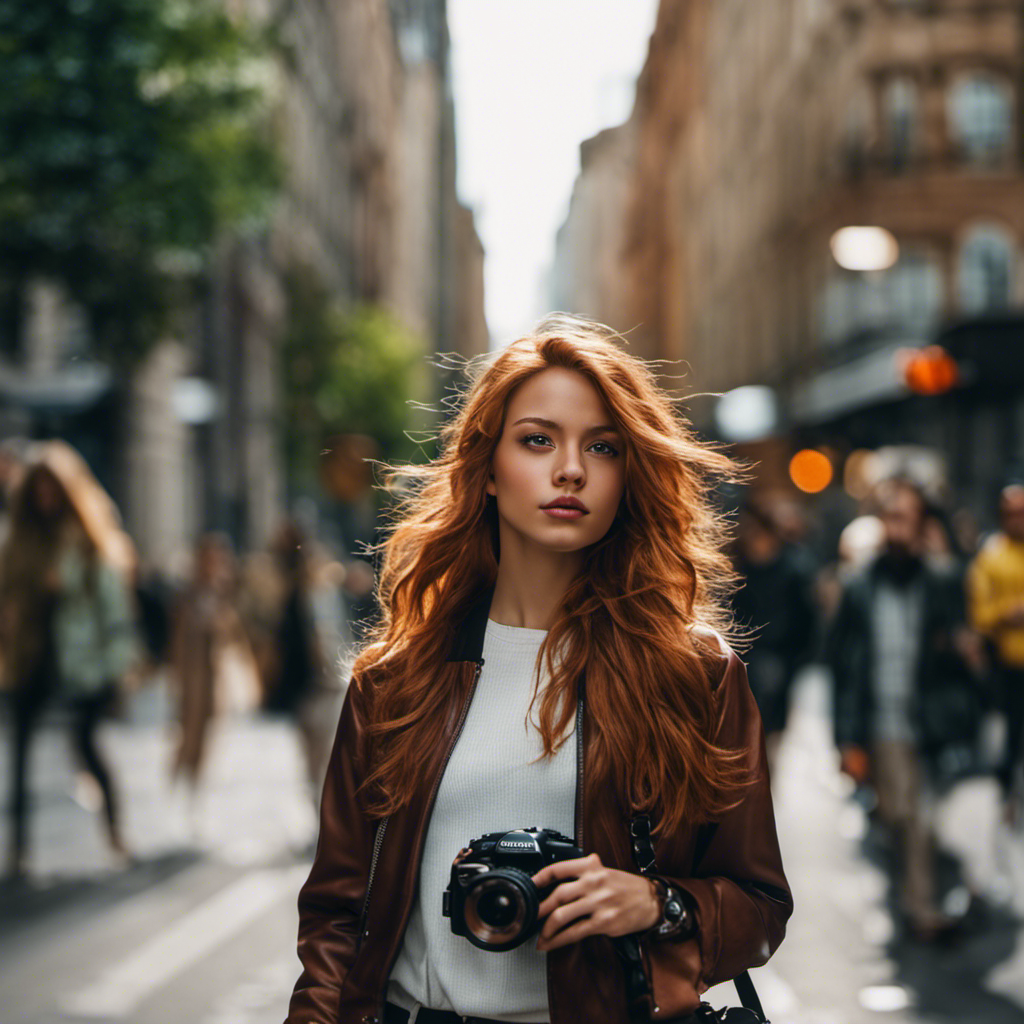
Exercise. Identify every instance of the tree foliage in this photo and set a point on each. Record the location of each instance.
(131, 131)
(346, 370)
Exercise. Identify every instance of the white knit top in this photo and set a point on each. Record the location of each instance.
(493, 782)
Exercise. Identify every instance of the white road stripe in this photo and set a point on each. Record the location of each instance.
(122, 987)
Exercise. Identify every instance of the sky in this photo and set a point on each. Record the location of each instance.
(532, 79)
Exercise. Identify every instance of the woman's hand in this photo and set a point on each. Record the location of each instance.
(591, 899)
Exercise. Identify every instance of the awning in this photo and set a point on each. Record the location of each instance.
(989, 351)
(67, 390)
(864, 381)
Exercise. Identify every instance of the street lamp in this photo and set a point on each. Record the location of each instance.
(864, 248)
(195, 400)
(748, 413)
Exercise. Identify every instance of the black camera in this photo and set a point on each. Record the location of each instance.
(491, 898)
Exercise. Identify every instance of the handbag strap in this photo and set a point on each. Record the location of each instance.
(748, 994)
(646, 863)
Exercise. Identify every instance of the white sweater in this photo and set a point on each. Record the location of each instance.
(492, 783)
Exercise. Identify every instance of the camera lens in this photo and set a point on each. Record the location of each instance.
(501, 909)
(496, 909)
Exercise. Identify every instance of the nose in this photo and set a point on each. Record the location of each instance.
(570, 471)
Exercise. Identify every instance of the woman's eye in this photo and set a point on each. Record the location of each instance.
(535, 439)
(606, 448)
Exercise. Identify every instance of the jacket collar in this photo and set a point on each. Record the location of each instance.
(468, 644)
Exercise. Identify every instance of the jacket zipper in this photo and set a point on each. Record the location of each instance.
(430, 808)
(579, 769)
(378, 842)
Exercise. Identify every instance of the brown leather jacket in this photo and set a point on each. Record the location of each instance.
(354, 907)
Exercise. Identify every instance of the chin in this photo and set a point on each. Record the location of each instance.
(569, 544)
(568, 548)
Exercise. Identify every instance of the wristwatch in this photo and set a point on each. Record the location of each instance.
(676, 921)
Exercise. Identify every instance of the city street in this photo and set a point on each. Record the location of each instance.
(202, 927)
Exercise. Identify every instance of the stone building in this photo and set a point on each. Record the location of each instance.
(588, 272)
(761, 130)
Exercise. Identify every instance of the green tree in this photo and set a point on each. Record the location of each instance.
(131, 131)
(346, 370)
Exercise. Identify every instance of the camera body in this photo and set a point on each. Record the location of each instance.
(491, 898)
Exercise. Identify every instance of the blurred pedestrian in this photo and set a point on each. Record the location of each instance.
(312, 641)
(996, 591)
(775, 600)
(66, 619)
(154, 599)
(206, 626)
(900, 687)
(12, 466)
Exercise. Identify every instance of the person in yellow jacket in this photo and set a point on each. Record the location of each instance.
(995, 583)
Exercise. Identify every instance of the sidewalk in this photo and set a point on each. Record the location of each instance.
(252, 806)
(106, 938)
(842, 957)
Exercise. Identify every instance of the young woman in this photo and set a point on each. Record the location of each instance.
(66, 620)
(550, 655)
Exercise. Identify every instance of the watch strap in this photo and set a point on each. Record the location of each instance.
(677, 919)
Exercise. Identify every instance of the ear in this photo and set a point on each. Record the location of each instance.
(490, 486)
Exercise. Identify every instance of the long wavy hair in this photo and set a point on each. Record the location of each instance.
(84, 517)
(626, 624)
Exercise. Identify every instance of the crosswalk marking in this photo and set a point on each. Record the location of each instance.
(126, 984)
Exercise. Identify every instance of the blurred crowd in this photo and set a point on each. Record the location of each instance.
(918, 619)
(920, 623)
(84, 624)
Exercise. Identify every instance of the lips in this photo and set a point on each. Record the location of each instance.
(567, 503)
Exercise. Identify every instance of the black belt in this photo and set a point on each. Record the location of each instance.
(396, 1015)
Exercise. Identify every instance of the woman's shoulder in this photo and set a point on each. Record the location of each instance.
(719, 658)
(737, 718)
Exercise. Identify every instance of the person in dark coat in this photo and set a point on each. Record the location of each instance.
(901, 687)
(775, 601)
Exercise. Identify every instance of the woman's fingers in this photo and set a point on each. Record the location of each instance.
(563, 869)
(590, 899)
(575, 905)
(573, 932)
(565, 893)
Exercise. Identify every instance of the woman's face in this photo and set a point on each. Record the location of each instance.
(558, 444)
(47, 495)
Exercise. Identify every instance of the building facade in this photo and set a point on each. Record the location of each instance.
(762, 129)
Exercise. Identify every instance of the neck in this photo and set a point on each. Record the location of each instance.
(531, 582)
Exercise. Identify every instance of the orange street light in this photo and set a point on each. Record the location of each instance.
(810, 470)
(929, 371)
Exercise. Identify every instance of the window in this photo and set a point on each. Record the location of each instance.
(857, 130)
(899, 105)
(981, 116)
(986, 271)
(908, 297)
(914, 287)
(853, 303)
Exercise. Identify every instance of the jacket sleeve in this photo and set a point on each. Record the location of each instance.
(331, 900)
(987, 610)
(123, 650)
(738, 888)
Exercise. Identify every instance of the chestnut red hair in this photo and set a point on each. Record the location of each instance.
(626, 625)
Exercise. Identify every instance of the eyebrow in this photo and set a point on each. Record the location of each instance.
(552, 425)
